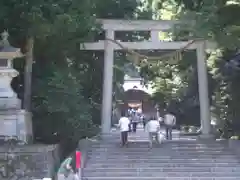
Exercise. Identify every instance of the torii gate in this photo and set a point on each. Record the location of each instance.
(154, 26)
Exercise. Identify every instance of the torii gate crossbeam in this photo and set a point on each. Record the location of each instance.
(110, 26)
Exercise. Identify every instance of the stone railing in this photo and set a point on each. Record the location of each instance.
(28, 162)
(84, 146)
(234, 144)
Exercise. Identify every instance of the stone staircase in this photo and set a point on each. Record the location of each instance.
(180, 159)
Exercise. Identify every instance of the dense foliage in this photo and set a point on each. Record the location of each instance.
(212, 20)
(67, 82)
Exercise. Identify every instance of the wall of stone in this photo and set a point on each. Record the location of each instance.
(234, 145)
(28, 162)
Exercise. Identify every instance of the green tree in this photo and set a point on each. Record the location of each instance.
(217, 21)
(58, 27)
(67, 82)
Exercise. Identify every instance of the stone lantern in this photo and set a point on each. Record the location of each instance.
(13, 120)
(7, 54)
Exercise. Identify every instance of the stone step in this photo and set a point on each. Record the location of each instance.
(166, 142)
(162, 160)
(159, 147)
(161, 165)
(157, 151)
(149, 152)
(163, 174)
(165, 169)
(142, 144)
(179, 159)
(161, 178)
(162, 146)
(154, 161)
(162, 156)
(176, 141)
(149, 161)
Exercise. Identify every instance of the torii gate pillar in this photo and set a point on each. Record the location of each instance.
(203, 91)
(107, 84)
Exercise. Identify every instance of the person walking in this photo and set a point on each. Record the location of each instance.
(169, 122)
(144, 120)
(153, 128)
(135, 121)
(123, 124)
(67, 170)
(130, 119)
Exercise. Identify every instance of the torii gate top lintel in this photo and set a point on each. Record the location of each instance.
(139, 25)
(154, 26)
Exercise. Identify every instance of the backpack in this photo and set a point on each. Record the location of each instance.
(63, 169)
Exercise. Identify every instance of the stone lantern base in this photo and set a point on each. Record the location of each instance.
(17, 123)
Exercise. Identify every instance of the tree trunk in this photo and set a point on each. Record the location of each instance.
(28, 74)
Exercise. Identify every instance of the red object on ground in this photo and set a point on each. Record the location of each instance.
(78, 159)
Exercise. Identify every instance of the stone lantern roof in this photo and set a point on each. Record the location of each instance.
(6, 50)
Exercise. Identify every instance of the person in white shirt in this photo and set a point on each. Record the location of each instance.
(153, 128)
(123, 124)
(169, 121)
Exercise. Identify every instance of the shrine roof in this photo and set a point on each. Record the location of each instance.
(8, 49)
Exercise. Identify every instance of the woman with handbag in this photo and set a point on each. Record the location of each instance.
(153, 129)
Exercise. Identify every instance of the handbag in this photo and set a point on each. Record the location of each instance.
(161, 137)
